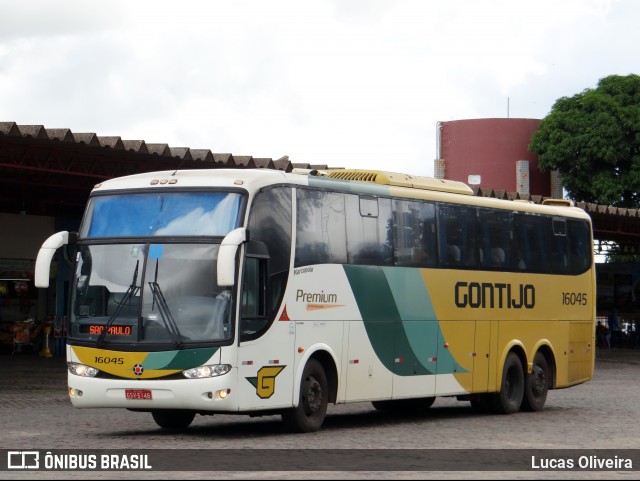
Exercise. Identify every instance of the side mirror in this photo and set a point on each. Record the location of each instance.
(46, 253)
(227, 256)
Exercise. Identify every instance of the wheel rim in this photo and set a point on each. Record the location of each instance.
(511, 383)
(312, 398)
(539, 384)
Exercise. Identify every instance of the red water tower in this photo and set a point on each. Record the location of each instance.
(492, 153)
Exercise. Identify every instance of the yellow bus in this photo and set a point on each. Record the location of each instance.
(263, 292)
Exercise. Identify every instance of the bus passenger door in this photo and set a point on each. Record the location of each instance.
(370, 360)
(266, 368)
(265, 351)
(481, 356)
(463, 351)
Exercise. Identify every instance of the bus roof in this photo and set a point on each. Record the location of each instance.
(363, 182)
(249, 179)
(407, 186)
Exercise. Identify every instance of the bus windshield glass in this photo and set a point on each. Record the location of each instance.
(158, 293)
(162, 214)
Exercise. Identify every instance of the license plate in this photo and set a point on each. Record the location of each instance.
(137, 393)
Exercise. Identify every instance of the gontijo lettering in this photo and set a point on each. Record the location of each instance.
(494, 295)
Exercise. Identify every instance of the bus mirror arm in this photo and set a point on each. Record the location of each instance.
(46, 253)
(227, 256)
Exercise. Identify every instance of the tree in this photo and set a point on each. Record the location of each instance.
(593, 140)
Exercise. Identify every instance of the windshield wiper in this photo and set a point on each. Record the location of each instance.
(131, 291)
(167, 318)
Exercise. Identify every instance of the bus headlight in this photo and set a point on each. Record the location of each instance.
(82, 369)
(212, 370)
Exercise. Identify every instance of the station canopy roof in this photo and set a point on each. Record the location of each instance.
(45, 171)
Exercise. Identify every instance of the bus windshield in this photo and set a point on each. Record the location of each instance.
(158, 293)
(162, 214)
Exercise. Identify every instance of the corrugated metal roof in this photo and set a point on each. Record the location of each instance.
(140, 147)
(537, 199)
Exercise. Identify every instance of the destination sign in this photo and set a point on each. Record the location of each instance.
(97, 329)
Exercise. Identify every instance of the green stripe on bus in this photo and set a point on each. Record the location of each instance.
(400, 320)
(410, 294)
(414, 304)
(377, 308)
(184, 359)
(373, 295)
(159, 360)
(381, 319)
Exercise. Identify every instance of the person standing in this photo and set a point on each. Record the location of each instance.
(601, 335)
(614, 330)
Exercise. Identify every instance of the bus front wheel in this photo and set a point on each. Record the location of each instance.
(509, 399)
(537, 384)
(312, 405)
(174, 419)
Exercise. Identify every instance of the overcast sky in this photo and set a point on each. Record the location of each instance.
(348, 83)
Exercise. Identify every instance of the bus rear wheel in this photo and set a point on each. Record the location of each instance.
(173, 419)
(404, 405)
(311, 411)
(537, 384)
(509, 399)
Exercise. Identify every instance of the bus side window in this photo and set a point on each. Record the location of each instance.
(458, 236)
(495, 236)
(532, 244)
(369, 230)
(269, 223)
(559, 247)
(454, 257)
(580, 246)
(414, 233)
(253, 299)
(498, 257)
(429, 242)
(320, 228)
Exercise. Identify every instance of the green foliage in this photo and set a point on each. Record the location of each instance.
(593, 140)
(616, 259)
(618, 254)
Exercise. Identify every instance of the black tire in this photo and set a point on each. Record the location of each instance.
(509, 399)
(173, 419)
(404, 405)
(312, 405)
(537, 384)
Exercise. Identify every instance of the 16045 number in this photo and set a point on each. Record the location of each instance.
(574, 298)
(108, 360)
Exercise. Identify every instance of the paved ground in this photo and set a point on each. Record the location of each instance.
(602, 414)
